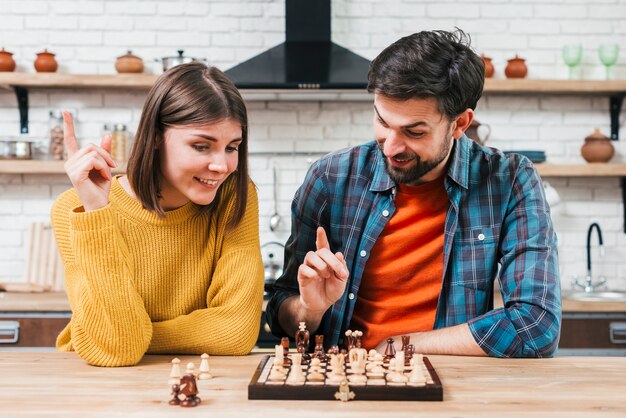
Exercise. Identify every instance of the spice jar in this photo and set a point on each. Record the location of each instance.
(489, 68)
(45, 62)
(118, 143)
(55, 124)
(7, 63)
(516, 68)
(597, 148)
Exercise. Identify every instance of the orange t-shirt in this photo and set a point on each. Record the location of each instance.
(402, 278)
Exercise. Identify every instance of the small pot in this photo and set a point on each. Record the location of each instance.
(45, 62)
(171, 62)
(15, 149)
(516, 68)
(129, 63)
(597, 148)
(7, 63)
(489, 69)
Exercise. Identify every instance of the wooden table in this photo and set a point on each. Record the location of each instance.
(62, 385)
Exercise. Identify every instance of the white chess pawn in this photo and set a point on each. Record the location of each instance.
(191, 369)
(175, 373)
(204, 368)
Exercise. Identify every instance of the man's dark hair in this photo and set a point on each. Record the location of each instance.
(436, 64)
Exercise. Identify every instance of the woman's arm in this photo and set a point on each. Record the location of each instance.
(109, 325)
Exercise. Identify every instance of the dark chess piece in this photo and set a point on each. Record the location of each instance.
(302, 342)
(405, 342)
(319, 348)
(175, 392)
(189, 388)
(390, 351)
(408, 354)
(350, 340)
(285, 343)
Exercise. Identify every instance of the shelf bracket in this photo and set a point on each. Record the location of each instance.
(624, 200)
(615, 108)
(22, 103)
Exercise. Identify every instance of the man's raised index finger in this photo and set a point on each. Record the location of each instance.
(69, 138)
(321, 240)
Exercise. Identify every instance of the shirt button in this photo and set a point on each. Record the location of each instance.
(385, 213)
(350, 296)
(481, 237)
(363, 253)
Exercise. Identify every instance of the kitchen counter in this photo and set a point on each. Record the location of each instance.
(57, 302)
(62, 384)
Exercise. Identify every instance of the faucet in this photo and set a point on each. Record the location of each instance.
(589, 285)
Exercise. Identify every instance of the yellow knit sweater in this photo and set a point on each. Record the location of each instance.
(141, 284)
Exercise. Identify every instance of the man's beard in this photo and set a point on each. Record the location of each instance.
(412, 174)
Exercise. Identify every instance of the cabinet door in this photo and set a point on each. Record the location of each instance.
(33, 330)
(593, 330)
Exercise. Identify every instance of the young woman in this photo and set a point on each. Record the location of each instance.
(165, 259)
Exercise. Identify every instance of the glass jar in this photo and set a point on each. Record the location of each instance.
(56, 149)
(118, 143)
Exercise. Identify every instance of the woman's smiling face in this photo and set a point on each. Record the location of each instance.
(196, 160)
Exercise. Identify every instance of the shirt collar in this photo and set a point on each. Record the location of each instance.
(458, 168)
(381, 182)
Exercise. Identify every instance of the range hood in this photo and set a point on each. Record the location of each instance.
(308, 59)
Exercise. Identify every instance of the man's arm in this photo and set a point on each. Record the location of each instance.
(322, 280)
(456, 340)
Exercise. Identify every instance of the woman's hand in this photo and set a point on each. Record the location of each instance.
(88, 168)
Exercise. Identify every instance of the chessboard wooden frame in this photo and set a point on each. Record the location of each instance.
(430, 392)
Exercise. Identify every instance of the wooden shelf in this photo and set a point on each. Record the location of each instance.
(145, 81)
(544, 169)
(582, 170)
(39, 167)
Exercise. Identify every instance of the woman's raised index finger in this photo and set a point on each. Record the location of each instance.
(69, 138)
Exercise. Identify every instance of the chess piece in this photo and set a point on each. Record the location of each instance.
(302, 338)
(358, 335)
(296, 377)
(408, 354)
(319, 348)
(344, 394)
(203, 373)
(284, 342)
(390, 351)
(358, 357)
(189, 389)
(175, 393)
(175, 373)
(191, 369)
(278, 354)
(350, 340)
(405, 342)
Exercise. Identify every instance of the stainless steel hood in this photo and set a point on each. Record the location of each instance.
(308, 59)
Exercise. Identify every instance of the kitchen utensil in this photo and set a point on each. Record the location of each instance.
(129, 63)
(45, 62)
(572, 55)
(597, 148)
(16, 149)
(7, 63)
(270, 252)
(489, 68)
(516, 68)
(479, 132)
(275, 219)
(170, 62)
(608, 57)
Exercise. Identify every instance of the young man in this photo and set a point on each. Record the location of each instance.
(407, 234)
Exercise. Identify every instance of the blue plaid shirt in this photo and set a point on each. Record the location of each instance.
(497, 226)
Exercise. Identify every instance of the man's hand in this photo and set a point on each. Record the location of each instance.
(88, 168)
(322, 276)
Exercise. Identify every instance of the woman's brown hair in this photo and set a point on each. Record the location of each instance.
(192, 94)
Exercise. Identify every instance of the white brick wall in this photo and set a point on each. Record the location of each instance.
(87, 36)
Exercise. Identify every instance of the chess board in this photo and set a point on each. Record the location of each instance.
(379, 389)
